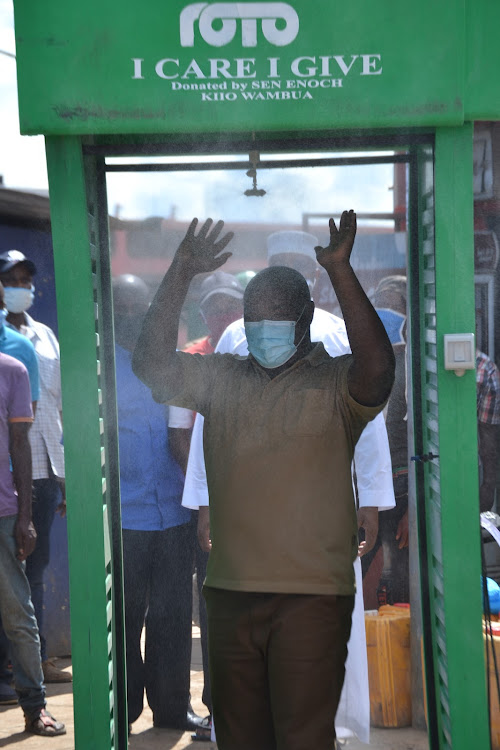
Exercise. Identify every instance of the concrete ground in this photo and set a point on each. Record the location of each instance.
(391, 739)
(145, 737)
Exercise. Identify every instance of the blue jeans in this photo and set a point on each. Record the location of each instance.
(5, 671)
(19, 622)
(47, 497)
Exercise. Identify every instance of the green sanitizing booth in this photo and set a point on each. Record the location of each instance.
(345, 85)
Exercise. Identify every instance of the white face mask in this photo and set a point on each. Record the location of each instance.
(18, 299)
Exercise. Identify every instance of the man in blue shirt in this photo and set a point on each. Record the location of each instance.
(19, 347)
(157, 541)
(17, 274)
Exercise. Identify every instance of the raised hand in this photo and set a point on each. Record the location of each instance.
(202, 252)
(155, 351)
(341, 241)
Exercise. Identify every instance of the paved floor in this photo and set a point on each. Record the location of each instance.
(145, 737)
(392, 739)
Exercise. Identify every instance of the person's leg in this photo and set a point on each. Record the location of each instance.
(168, 627)
(18, 617)
(401, 575)
(201, 561)
(47, 496)
(372, 565)
(306, 657)
(238, 631)
(7, 694)
(399, 580)
(137, 550)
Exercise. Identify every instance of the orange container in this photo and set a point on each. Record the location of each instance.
(388, 648)
(394, 610)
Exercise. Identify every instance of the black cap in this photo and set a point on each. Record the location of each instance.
(220, 283)
(12, 258)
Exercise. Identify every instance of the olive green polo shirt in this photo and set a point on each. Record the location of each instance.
(278, 455)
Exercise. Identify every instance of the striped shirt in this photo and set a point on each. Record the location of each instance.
(46, 433)
(488, 390)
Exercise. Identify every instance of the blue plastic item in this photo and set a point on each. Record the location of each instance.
(493, 595)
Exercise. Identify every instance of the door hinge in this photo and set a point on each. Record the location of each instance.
(426, 457)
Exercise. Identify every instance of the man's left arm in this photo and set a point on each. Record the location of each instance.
(371, 374)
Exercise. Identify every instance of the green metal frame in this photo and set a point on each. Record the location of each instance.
(88, 398)
(442, 286)
(76, 68)
(460, 601)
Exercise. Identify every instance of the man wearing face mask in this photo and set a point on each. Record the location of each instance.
(372, 461)
(16, 275)
(157, 537)
(17, 346)
(279, 438)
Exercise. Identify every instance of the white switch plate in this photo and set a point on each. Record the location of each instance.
(459, 352)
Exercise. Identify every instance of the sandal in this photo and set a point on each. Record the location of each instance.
(44, 725)
(204, 730)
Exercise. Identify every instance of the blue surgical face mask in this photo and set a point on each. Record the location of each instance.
(393, 323)
(272, 342)
(17, 299)
(3, 316)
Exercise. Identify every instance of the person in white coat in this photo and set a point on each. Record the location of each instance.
(372, 464)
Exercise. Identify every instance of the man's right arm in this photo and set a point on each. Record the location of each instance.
(154, 360)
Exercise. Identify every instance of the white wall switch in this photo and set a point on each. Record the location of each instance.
(459, 352)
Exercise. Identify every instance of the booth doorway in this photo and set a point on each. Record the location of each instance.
(436, 168)
(152, 201)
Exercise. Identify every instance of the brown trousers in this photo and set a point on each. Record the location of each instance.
(277, 668)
